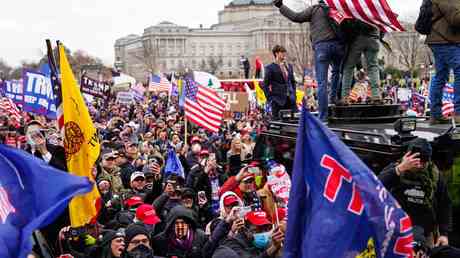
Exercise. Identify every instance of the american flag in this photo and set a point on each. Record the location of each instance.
(448, 101)
(56, 84)
(10, 109)
(203, 106)
(374, 12)
(159, 83)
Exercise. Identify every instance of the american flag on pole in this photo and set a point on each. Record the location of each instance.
(374, 12)
(159, 83)
(448, 101)
(56, 84)
(10, 109)
(203, 106)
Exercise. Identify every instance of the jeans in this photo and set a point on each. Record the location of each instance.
(370, 48)
(327, 53)
(446, 57)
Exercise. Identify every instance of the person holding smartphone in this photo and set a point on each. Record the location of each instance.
(418, 186)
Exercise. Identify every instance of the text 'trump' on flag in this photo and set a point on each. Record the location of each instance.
(81, 142)
(337, 206)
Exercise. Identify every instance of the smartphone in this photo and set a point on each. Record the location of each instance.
(244, 210)
(202, 195)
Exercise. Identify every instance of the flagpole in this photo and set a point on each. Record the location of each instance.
(186, 130)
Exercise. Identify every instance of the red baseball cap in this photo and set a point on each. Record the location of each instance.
(135, 200)
(204, 152)
(195, 139)
(258, 218)
(146, 213)
(230, 199)
(248, 176)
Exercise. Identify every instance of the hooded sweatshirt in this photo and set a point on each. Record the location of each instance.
(164, 244)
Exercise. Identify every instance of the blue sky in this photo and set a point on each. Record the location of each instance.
(94, 25)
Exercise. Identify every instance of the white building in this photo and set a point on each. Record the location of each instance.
(245, 27)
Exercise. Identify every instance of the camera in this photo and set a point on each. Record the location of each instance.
(75, 232)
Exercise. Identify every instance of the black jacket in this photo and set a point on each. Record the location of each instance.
(161, 243)
(126, 170)
(218, 235)
(57, 156)
(239, 247)
(442, 206)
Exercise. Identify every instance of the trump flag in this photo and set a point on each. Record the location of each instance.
(32, 195)
(337, 206)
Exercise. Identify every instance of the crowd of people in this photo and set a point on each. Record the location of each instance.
(215, 203)
(171, 189)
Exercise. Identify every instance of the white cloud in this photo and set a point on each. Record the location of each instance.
(94, 25)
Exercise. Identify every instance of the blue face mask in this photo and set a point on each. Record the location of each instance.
(261, 240)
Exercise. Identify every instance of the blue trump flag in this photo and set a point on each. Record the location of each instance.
(338, 207)
(173, 164)
(32, 195)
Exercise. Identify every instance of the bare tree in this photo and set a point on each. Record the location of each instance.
(300, 48)
(5, 70)
(409, 48)
(215, 63)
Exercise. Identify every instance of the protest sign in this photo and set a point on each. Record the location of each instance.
(98, 89)
(38, 94)
(14, 91)
(125, 98)
(138, 91)
(238, 100)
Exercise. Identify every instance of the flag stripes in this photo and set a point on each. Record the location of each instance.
(205, 109)
(159, 83)
(8, 106)
(375, 12)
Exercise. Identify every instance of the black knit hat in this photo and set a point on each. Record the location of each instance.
(134, 230)
(109, 235)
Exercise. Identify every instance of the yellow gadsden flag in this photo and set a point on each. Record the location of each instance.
(260, 95)
(80, 142)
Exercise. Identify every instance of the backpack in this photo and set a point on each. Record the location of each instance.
(425, 18)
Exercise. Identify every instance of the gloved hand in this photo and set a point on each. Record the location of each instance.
(278, 3)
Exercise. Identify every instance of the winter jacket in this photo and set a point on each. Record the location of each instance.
(162, 242)
(239, 247)
(442, 206)
(320, 27)
(199, 180)
(446, 23)
(126, 170)
(114, 178)
(218, 235)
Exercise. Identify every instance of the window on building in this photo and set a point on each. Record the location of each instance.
(230, 73)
